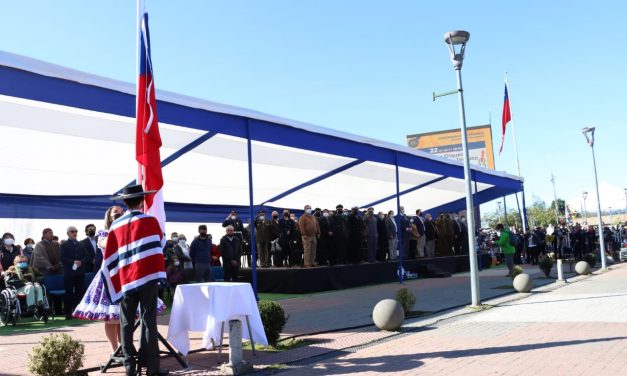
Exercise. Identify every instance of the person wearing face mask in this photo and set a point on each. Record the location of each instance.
(392, 233)
(372, 235)
(9, 251)
(238, 225)
(457, 234)
(175, 273)
(431, 235)
(324, 242)
(382, 242)
(26, 280)
(263, 237)
(339, 237)
(355, 226)
(310, 232)
(287, 234)
(90, 244)
(200, 253)
(29, 247)
(182, 252)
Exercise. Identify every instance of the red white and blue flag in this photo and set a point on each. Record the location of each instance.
(506, 118)
(133, 255)
(148, 139)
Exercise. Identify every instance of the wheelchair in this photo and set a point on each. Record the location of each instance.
(13, 306)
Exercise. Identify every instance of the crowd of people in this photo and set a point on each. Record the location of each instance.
(322, 237)
(564, 240)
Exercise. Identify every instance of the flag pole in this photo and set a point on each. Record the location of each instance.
(140, 11)
(523, 214)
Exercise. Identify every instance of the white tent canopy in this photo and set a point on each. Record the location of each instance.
(80, 131)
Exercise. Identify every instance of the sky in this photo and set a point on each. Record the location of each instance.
(370, 68)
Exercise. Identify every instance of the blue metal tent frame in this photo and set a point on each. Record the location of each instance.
(62, 91)
(28, 85)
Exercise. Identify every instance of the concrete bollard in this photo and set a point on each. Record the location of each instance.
(236, 364)
(560, 272)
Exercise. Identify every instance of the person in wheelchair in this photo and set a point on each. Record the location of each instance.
(27, 281)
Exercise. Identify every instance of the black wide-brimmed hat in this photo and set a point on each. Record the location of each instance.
(132, 191)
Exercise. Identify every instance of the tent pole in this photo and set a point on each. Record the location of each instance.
(505, 210)
(253, 243)
(524, 208)
(399, 233)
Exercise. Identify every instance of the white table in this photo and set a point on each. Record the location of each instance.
(205, 307)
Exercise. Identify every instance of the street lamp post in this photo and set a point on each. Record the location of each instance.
(456, 43)
(498, 203)
(588, 133)
(611, 216)
(585, 210)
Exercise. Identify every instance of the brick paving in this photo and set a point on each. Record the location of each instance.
(577, 329)
(318, 314)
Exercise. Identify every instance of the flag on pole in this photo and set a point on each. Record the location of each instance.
(148, 139)
(506, 118)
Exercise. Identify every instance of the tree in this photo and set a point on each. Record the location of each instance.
(539, 215)
(561, 207)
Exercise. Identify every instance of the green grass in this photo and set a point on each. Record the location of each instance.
(279, 296)
(28, 325)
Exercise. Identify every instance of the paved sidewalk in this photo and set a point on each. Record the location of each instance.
(318, 313)
(577, 329)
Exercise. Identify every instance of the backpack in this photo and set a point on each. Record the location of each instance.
(513, 239)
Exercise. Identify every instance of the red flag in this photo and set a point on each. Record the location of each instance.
(507, 116)
(148, 139)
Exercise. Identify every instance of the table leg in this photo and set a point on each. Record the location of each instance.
(250, 333)
(221, 338)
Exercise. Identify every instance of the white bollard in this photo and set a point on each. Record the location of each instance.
(235, 366)
(560, 273)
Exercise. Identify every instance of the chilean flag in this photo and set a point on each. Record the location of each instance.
(507, 116)
(148, 140)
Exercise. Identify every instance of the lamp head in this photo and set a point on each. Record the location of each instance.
(588, 133)
(585, 194)
(457, 38)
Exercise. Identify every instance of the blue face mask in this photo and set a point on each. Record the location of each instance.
(22, 265)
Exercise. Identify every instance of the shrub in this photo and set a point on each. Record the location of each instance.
(546, 264)
(273, 319)
(517, 269)
(56, 355)
(407, 300)
(590, 258)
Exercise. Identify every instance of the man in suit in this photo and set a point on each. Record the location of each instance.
(420, 226)
(231, 254)
(72, 257)
(91, 248)
(324, 242)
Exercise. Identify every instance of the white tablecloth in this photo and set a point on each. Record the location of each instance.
(203, 307)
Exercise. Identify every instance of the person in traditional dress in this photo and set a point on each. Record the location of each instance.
(132, 268)
(95, 304)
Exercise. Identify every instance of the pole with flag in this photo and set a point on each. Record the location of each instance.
(148, 139)
(507, 118)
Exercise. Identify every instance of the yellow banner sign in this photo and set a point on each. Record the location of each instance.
(448, 144)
